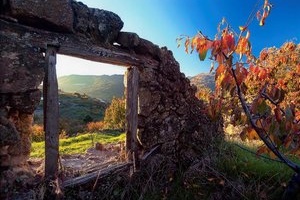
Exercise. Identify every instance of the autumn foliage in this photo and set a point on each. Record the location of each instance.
(114, 118)
(95, 126)
(262, 93)
(37, 133)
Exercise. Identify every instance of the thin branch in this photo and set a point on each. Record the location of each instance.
(267, 134)
(267, 97)
(252, 14)
(260, 131)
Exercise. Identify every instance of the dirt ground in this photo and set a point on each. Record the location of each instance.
(30, 183)
(78, 164)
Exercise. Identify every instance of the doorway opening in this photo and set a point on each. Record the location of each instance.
(92, 123)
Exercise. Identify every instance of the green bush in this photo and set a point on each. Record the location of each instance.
(115, 114)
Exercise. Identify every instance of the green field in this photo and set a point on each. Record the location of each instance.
(78, 144)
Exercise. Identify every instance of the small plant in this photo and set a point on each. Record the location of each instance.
(38, 133)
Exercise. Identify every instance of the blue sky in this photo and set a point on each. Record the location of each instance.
(162, 21)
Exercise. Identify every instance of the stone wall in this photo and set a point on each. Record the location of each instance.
(22, 71)
(169, 113)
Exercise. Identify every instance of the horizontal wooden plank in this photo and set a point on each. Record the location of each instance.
(96, 175)
(73, 45)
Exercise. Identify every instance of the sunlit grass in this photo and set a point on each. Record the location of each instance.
(78, 144)
(251, 165)
(239, 162)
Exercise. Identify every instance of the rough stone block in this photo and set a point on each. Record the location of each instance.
(101, 25)
(22, 67)
(128, 40)
(148, 101)
(26, 102)
(55, 15)
(8, 133)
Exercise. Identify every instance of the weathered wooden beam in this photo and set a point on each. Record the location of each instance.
(96, 175)
(132, 115)
(51, 115)
(73, 45)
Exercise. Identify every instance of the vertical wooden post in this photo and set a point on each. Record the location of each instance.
(51, 115)
(132, 115)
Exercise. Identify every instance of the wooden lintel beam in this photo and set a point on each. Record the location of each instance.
(73, 45)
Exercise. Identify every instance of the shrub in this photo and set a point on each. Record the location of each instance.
(115, 114)
(95, 126)
(38, 133)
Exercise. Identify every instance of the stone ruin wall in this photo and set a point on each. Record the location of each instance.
(169, 113)
(22, 71)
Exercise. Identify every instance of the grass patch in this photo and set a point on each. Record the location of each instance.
(78, 144)
(255, 177)
(232, 172)
(239, 160)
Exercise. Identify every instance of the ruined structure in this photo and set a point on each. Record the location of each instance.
(167, 111)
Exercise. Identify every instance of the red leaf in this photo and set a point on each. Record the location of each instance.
(261, 150)
(251, 134)
(281, 84)
(186, 44)
(253, 69)
(221, 69)
(241, 73)
(202, 45)
(227, 40)
(262, 74)
(194, 42)
(216, 51)
(278, 114)
(266, 12)
(243, 46)
(263, 54)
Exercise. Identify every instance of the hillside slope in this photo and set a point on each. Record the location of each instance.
(75, 111)
(103, 87)
(204, 80)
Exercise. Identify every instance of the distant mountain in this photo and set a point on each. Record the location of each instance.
(204, 80)
(106, 87)
(102, 87)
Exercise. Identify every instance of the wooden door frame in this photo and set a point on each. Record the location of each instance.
(132, 86)
(51, 114)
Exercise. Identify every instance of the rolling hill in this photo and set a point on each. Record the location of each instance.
(102, 87)
(204, 80)
(75, 110)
